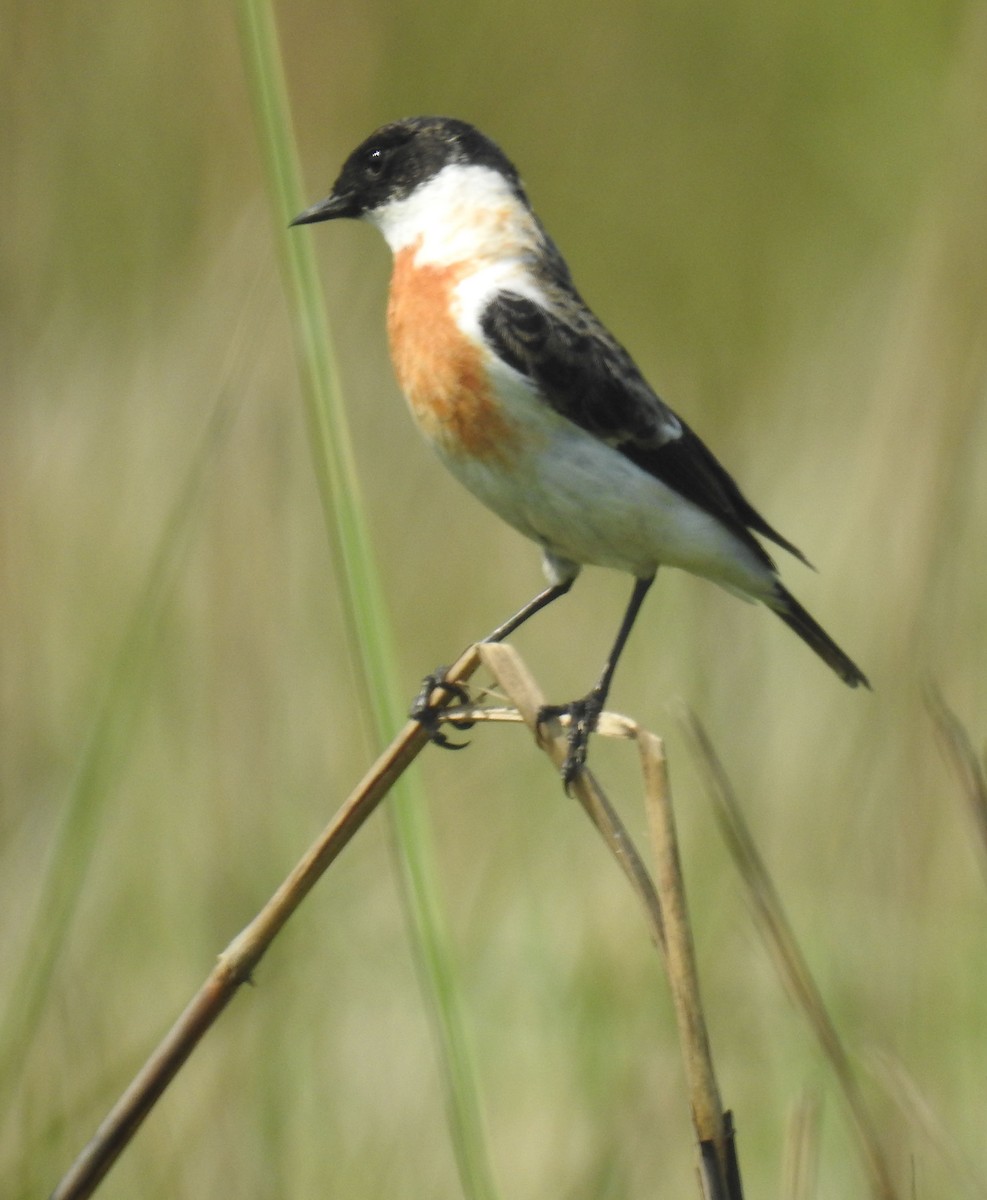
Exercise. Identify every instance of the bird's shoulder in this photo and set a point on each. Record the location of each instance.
(546, 332)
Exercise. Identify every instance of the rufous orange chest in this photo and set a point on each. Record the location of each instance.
(440, 370)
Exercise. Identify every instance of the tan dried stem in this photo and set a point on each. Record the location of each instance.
(664, 905)
(666, 918)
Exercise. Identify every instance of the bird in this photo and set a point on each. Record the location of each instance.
(534, 406)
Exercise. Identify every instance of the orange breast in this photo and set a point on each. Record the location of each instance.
(440, 371)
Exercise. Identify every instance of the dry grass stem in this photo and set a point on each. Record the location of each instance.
(237, 962)
(240, 958)
(664, 904)
(719, 1171)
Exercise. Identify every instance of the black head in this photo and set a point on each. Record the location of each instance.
(398, 157)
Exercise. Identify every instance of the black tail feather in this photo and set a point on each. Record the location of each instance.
(814, 636)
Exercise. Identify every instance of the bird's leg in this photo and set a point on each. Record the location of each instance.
(585, 713)
(542, 600)
(430, 716)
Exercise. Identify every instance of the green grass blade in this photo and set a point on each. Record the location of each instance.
(367, 625)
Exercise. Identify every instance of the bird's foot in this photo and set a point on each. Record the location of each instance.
(431, 716)
(583, 715)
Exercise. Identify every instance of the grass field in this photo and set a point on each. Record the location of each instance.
(780, 210)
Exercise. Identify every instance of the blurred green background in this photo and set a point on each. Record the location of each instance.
(780, 209)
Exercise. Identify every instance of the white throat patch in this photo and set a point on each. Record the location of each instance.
(464, 212)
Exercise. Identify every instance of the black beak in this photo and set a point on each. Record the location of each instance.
(334, 205)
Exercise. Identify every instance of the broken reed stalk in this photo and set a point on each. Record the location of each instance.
(664, 906)
(718, 1168)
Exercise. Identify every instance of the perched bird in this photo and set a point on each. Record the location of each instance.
(533, 404)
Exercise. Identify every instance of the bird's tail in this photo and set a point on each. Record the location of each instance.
(813, 634)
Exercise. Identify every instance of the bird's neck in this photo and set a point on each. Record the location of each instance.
(465, 214)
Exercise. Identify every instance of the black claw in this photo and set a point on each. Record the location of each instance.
(431, 716)
(441, 739)
(583, 715)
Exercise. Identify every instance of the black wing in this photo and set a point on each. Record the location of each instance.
(586, 376)
(579, 369)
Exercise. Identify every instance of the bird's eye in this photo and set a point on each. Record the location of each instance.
(375, 163)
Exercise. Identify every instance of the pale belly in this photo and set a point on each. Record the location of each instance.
(583, 501)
